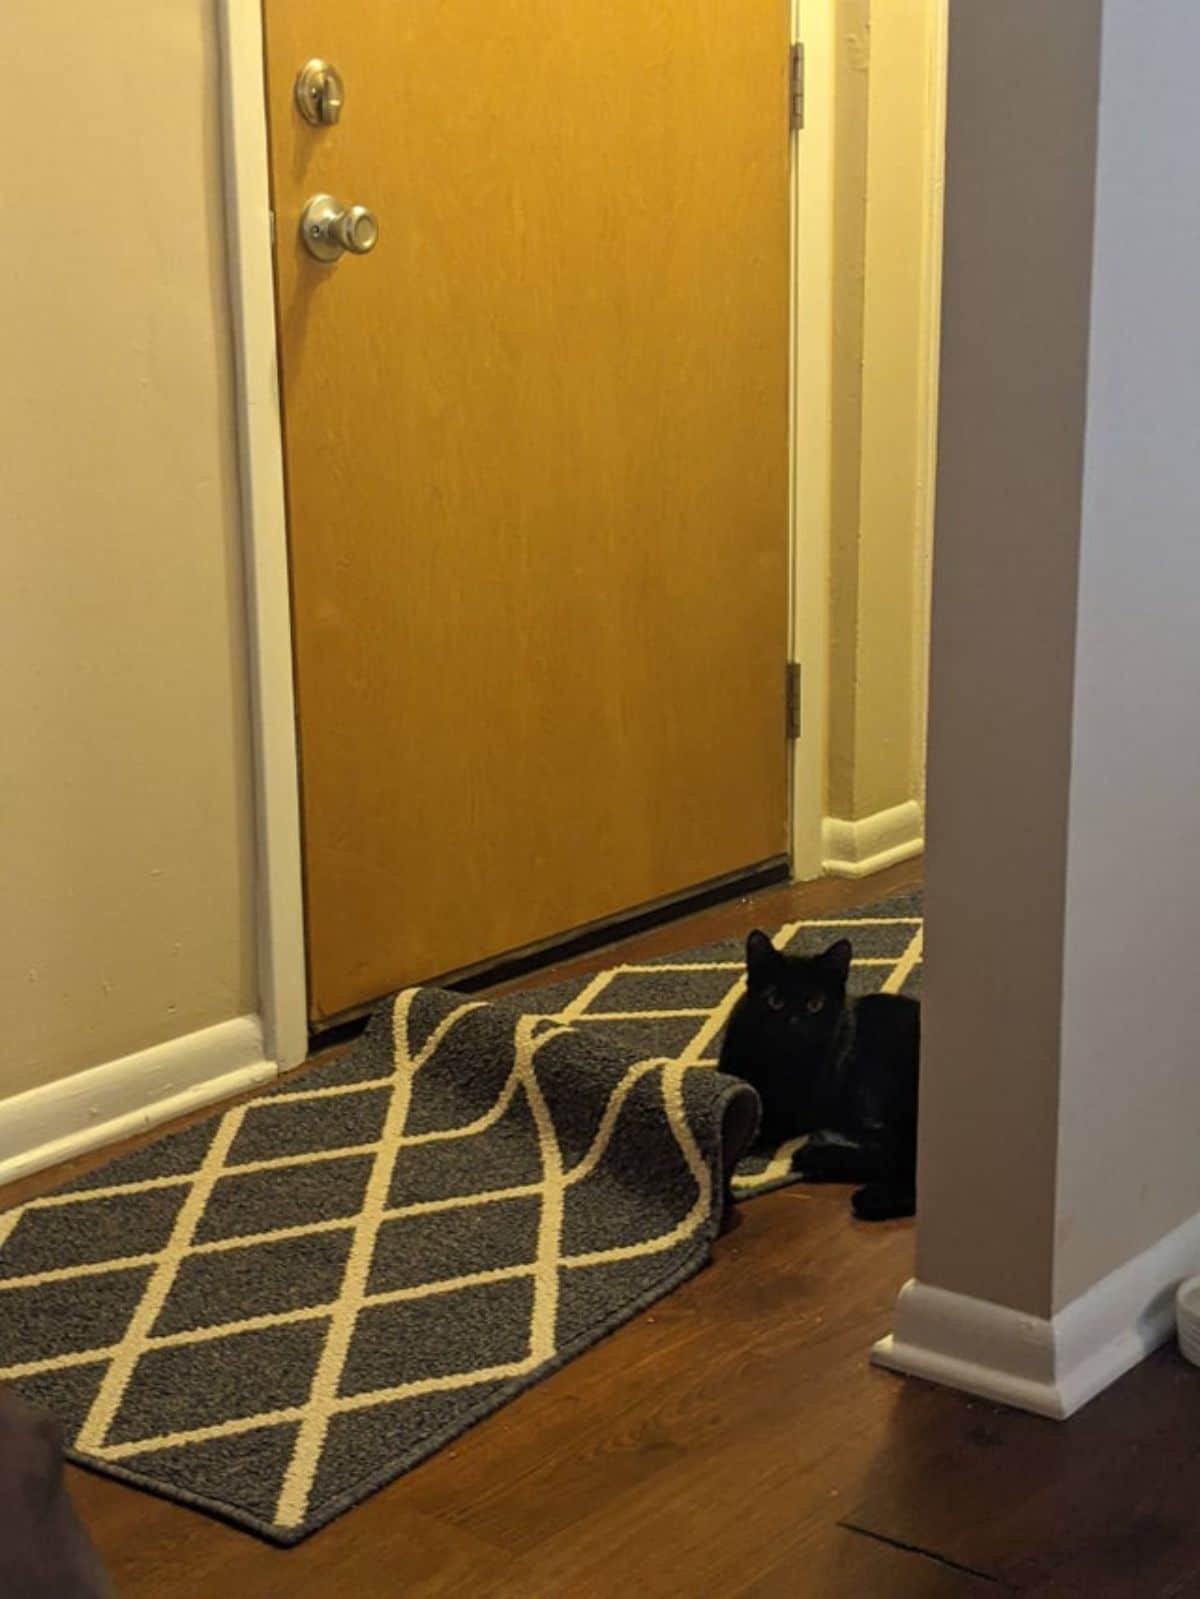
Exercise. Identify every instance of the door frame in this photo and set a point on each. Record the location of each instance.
(279, 912)
(810, 432)
(279, 894)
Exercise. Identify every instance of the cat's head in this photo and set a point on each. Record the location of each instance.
(798, 997)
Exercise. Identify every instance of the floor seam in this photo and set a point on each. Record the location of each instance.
(926, 1554)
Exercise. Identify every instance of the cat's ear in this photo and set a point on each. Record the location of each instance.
(838, 957)
(761, 957)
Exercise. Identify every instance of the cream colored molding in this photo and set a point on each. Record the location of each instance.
(858, 849)
(107, 1103)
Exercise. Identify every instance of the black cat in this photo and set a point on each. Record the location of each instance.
(845, 1072)
(787, 1034)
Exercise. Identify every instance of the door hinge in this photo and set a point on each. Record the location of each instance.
(794, 701)
(796, 86)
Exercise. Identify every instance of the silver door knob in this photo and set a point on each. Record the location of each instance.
(330, 229)
(320, 92)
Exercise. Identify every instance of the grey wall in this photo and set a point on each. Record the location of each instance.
(1021, 153)
(1129, 1160)
(1061, 1087)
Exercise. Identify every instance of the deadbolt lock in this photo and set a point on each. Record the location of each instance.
(320, 92)
(330, 229)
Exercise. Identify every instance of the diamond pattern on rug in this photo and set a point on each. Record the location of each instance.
(177, 1156)
(417, 1341)
(188, 1387)
(208, 1472)
(272, 1128)
(275, 1312)
(433, 1246)
(295, 1193)
(55, 1319)
(222, 1286)
(104, 1228)
(67, 1392)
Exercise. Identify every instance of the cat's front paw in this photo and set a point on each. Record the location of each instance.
(816, 1172)
(829, 1159)
(883, 1202)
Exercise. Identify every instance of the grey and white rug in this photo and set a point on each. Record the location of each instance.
(279, 1310)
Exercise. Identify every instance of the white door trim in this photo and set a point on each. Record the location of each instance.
(810, 430)
(279, 895)
(282, 960)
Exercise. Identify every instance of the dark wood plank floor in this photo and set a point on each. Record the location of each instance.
(734, 1442)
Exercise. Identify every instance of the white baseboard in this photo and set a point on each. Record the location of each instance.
(1049, 1366)
(109, 1102)
(857, 849)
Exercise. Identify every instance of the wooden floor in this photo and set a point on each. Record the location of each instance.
(734, 1442)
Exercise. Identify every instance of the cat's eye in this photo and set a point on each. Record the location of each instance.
(815, 1003)
(774, 999)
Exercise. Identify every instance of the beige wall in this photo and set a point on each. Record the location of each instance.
(125, 802)
(889, 67)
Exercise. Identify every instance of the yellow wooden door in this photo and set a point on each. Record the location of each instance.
(536, 457)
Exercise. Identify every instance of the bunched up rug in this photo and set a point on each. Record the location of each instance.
(275, 1312)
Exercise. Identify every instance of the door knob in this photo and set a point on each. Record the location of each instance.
(329, 229)
(319, 92)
